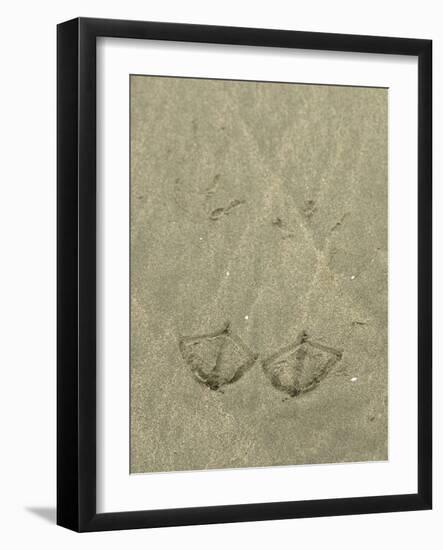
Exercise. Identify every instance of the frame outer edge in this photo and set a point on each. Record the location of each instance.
(76, 275)
(67, 278)
(425, 274)
(87, 258)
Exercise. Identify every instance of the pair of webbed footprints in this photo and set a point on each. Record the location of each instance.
(222, 358)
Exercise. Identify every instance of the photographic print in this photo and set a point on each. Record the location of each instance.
(244, 274)
(258, 274)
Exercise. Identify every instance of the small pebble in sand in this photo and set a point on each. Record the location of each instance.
(352, 277)
(246, 317)
(227, 273)
(354, 379)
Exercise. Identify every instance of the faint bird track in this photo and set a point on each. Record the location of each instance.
(309, 208)
(286, 232)
(359, 323)
(338, 224)
(217, 358)
(301, 366)
(226, 210)
(212, 187)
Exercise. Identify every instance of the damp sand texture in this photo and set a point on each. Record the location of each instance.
(259, 269)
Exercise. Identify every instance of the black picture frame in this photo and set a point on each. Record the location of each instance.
(76, 280)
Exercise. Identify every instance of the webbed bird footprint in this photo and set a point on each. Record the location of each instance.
(301, 366)
(218, 358)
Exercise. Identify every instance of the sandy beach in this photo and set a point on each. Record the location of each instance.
(260, 207)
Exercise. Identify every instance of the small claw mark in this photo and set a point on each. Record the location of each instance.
(211, 189)
(309, 208)
(301, 366)
(278, 222)
(226, 210)
(340, 222)
(286, 232)
(233, 204)
(217, 213)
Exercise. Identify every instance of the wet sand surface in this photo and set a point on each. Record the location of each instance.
(258, 274)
